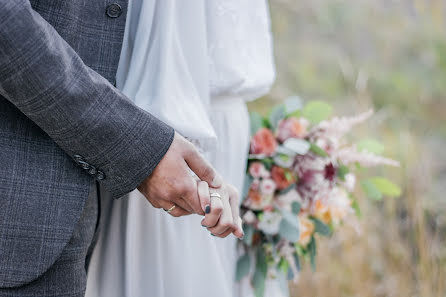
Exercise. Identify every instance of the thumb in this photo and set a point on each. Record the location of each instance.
(203, 169)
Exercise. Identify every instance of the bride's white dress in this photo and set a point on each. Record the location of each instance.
(193, 64)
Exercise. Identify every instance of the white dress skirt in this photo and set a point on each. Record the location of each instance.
(143, 251)
(193, 64)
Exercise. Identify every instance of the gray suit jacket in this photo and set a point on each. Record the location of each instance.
(58, 107)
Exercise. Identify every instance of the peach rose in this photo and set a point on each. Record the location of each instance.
(306, 227)
(282, 177)
(257, 200)
(292, 128)
(263, 142)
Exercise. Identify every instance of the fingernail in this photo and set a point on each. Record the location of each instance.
(217, 182)
(204, 226)
(207, 209)
(212, 234)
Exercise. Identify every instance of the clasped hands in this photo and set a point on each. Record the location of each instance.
(171, 184)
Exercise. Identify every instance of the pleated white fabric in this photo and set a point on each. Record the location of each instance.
(174, 65)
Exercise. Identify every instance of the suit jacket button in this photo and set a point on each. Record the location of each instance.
(114, 10)
(92, 170)
(100, 175)
(78, 158)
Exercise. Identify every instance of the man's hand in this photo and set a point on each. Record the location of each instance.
(171, 183)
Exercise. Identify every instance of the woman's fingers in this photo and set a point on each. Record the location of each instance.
(216, 208)
(234, 199)
(226, 222)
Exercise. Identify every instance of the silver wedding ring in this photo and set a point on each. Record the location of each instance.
(215, 194)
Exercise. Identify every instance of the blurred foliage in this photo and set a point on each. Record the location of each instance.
(391, 56)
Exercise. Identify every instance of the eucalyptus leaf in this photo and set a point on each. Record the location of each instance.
(312, 251)
(259, 277)
(295, 207)
(297, 261)
(321, 228)
(297, 145)
(277, 113)
(317, 111)
(243, 267)
(293, 104)
(249, 233)
(385, 186)
(371, 190)
(371, 146)
(290, 218)
(246, 186)
(289, 231)
(256, 122)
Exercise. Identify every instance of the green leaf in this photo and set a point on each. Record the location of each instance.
(342, 171)
(386, 187)
(249, 233)
(293, 105)
(277, 113)
(243, 267)
(289, 231)
(321, 228)
(318, 150)
(290, 218)
(371, 146)
(283, 265)
(247, 184)
(256, 122)
(371, 190)
(355, 206)
(295, 207)
(317, 111)
(312, 250)
(260, 274)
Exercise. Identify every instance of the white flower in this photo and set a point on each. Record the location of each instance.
(270, 222)
(249, 217)
(285, 200)
(350, 182)
(267, 186)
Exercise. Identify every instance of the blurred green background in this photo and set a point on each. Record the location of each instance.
(389, 55)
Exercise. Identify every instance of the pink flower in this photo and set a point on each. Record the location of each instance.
(267, 186)
(258, 200)
(292, 128)
(282, 177)
(263, 142)
(258, 170)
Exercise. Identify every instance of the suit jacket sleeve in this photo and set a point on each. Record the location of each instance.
(78, 108)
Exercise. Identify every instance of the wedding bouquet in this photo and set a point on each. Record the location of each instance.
(299, 183)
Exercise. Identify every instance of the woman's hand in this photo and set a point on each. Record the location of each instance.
(222, 213)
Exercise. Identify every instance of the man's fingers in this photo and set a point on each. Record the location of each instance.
(203, 194)
(211, 219)
(234, 202)
(188, 189)
(203, 169)
(177, 211)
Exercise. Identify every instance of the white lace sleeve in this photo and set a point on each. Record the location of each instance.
(240, 48)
